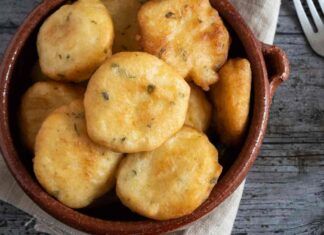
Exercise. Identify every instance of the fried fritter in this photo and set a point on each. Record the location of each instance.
(187, 34)
(171, 181)
(75, 40)
(124, 15)
(199, 111)
(39, 101)
(67, 163)
(231, 97)
(134, 102)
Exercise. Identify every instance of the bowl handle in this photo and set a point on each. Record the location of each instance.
(277, 64)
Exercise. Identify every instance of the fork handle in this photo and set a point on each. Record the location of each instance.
(277, 65)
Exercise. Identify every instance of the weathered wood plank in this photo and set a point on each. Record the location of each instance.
(286, 8)
(14, 221)
(12, 13)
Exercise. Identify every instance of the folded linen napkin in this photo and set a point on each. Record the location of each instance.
(262, 16)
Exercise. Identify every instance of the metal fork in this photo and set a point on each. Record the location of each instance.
(316, 39)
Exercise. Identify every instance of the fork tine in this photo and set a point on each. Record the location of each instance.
(303, 18)
(315, 15)
(321, 2)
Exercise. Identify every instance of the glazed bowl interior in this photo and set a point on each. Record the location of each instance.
(109, 207)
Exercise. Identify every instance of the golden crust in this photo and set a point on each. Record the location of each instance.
(39, 101)
(231, 98)
(124, 15)
(68, 164)
(171, 181)
(199, 111)
(187, 34)
(75, 40)
(135, 102)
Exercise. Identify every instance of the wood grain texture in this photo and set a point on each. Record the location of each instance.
(284, 192)
(15, 221)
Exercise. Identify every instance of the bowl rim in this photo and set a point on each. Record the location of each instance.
(230, 181)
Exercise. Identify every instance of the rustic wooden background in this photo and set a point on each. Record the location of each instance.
(284, 193)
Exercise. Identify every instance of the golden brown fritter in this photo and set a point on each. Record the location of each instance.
(199, 110)
(39, 101)
(231, 97)
(124, 15)
(172, 180)
(68, 164)
(75, 40)
(187, 34)
(135, 102)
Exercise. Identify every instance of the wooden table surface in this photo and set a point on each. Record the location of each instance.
(284, 192)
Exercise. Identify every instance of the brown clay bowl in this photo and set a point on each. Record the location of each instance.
(269, 65)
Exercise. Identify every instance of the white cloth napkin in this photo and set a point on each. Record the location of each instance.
(262, 16)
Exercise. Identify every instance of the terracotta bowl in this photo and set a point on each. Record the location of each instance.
(270, 67)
